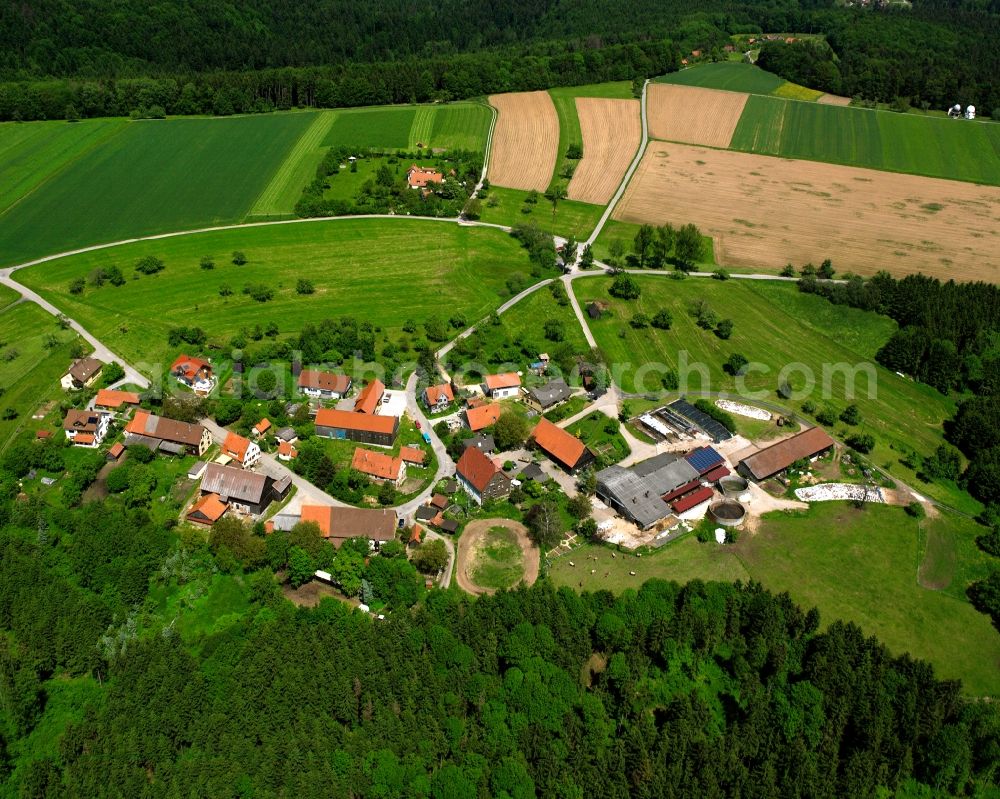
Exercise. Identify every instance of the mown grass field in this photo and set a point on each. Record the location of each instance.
(30, 153)
(366, 128)
(462, 126)
(571, 218)
(916, 144)
(860, 566)
(731, 75)
(385, 271)
(458, 126)
(774, 327)
(153, 177)
(500, 562)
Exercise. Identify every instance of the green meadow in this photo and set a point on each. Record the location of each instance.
(912, 143)
(569, 218)
(462, 126)
(385, 271)
(153, 177)
(775, 326)
(733, 76)
(858, 565)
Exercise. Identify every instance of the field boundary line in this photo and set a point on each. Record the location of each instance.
(489, 148)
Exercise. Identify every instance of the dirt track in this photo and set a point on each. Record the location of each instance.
(612, 130)
(525, 140)
(767, 211)
(473, 534)
(693, 115)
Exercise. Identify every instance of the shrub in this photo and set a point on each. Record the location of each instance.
(710, 409)
(736, 365)
(140, 453)
(626, 287)
(149, 265)
(261, 292)
(851, 415)
(720, 274)
(207, 262)
(117, 479)
(77, 286)
(639, 321)
(239, 258)
(574, 151)
(555, 330)
(303, 286)
(724, 329)
(809, 407)
(670, 380)
(861, 442)
(662, 319)
(225, 290)
(916, 510)
(827, 416)
(788, 271)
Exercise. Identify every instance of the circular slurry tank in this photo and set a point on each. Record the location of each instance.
(727, 512)
(733, 486)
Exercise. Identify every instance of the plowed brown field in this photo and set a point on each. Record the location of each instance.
(765, 211)
(612, 130)
(525, 140)
(693, 115)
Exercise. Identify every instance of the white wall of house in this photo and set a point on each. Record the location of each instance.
(505, 393)
(468, 489)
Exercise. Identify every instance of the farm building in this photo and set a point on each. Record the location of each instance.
(439, 397)
(778, 457)
(244, 491)
(339, 524)
(502, 386)
(566, 450)
(242, 450)
(168, 435)
(82, 373)
(113, 400)
(86, 428)
(287, 434)
(481, 478)
(323, 385)
(194, 373)
(378, 466)
(370, 397)
(417, 177)
(597, 308)
(643, 492)
(360, 427)
(482, 417)
(549, 396)
(413, 455)
(207, 510)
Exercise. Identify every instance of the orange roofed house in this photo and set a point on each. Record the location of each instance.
(370, 397)
(482, 417)
(194, 373)
(360, 427)
(566, 450)
(245, 452)
(379, 466)
(207, 510)
(323, 385)
(481, 478)
(169, 435)
(339, 524)
(438, 397)
(113, 400)
(417, 177)
(502, 386)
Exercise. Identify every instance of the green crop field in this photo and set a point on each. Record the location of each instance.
(153, 177)
(297, 171)
(30, 153)
(569, 134)
(372, 128)
(385, 271)
(730, 75)
(860, 566)
(920, 145)
(571, 218)
(462, 126)
(613, 90)
(775, 326)
(422, 127)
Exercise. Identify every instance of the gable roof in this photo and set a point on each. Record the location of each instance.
(552, 392)
(558, 444)
(370, 397)
(236, 446)
(704, 459)
(376, 464)
(116, 450)
(187, 367)
(236, 484)
(483, 416)
(780, 456)
(435, 393)
(209, 507)
(439, 501)
(503, 380)
(324, 381)
(343, 523)
(349, 420)
(692, 500)
(262, 426)
(476, 469)
(148, 424)
(287, 449)
(418, 176)
(107, 398)
(85, 368)
(81, 421)
(412, 455)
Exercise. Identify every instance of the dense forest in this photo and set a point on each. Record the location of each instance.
(705, 690)
(68, 58)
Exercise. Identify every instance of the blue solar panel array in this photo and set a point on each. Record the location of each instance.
(704, 459)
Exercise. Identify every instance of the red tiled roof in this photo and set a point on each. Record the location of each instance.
(210, 507)
(188, 367)
(505, 380)
(287, 449)
(558, 444)
(116, 450)
(692, 500)
(439, 501)
(416, 534)
(483, 416)
(679, 492)
(262, 426)
(476, 469)
(106, 398)
(412, 454)
(84, 438)
(342, 523)
(376, 464)
(148, 424)
(434, 393)
(780, 456)
(716, 474)
(349, 420)
(418, 176)
(43, 434)
(235, 446)
(370, 397)
(324, 381)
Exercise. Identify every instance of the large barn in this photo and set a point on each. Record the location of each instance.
(778, 457)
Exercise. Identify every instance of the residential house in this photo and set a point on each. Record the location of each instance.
(324, 385)
(194, 373)
(482, 441)
(167, 435)
(86, 428)
(502, 386)
(370, 397)
(287, 451)
(339, 524)
(114, 400)
(207, 510)
(82, 373)
(287, 434)
(437, 398)
(360, 427)
(418, 177)
(242, 490)
(379, 467)
(481, 478)
(482, 417)
(776, 458)
(242, 450)
(566, 450)
(546, 397)
(261, 428)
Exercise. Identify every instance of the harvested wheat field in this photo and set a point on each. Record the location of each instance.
(525, 140)
(833, 99)
(693, 115)
(766, 211)
(612, 130)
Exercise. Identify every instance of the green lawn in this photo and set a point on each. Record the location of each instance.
(860, 566)
(610, 447)
(500, 563)
(775, 326)
(916, 144)
(525, 323)
(155, 176)
(570, 218)
(385, 271)
(612, 90)
(730, 75)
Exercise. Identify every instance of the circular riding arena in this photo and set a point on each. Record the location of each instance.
(497, 552)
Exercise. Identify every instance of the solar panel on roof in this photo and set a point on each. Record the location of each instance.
(716, 431)
(704, 459)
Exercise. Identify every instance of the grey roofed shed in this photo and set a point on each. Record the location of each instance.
(551, 393)
(425, 514)
(134, 439)
(235, 484)
(283, 522)
(637, 492)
